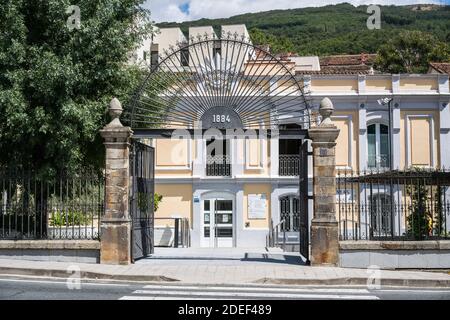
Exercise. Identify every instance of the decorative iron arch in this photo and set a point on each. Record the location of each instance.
(222, 82)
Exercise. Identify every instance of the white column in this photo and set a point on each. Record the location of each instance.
(444, 122)
(361, 84)
(274, 156)
(362, 125)
(237, 156)
(362, 136)
(396, 133)
(274, 205)
(395, 83)
(196, 217)
(443, 83)
(199, 165)
(444, 125)
(239, 221)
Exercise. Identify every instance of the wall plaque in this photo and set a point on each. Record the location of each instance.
(257, 205)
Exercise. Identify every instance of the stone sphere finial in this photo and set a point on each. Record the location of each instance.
(115, 108)
(326, 110)
(115, 111)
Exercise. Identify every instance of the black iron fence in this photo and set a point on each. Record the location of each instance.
(394, 205)
(65, 206)
(289, 165)
(218, 166)
(142, 197)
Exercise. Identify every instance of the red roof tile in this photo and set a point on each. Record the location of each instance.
(348, 60)
(441, 67)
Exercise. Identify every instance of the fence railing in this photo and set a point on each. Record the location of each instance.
(289, 165)
(172, 232)
(218, 166)
(277, 235)
(60, 207)
(393, 205)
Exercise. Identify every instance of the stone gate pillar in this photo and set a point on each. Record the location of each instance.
(116, 223)
(324, 226)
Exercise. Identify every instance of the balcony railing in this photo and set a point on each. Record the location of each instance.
(289, 165)
(218, 166)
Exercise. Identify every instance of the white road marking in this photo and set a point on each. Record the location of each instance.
(240, 293)
(208, 288)
(163, 298)
(64, 282)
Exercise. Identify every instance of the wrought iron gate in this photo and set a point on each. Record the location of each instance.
(303, 196)
(142, 189)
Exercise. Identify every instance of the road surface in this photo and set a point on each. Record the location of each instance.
(34, 288)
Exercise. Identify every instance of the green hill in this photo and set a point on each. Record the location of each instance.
(333, 29)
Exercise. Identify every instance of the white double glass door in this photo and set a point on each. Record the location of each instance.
(217, 231)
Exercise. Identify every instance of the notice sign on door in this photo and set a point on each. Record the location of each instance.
(257, 206)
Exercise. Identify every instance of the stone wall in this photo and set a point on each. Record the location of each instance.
(81, 251)
(395, 254)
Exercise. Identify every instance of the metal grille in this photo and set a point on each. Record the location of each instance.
(295, 214)
(218, 166)
(290, 213)
(142, 159)
(289, 165)
(63, 206)
(285, 213)
(394, 205)
(206, 72)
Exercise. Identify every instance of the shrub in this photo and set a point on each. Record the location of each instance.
(70, 218)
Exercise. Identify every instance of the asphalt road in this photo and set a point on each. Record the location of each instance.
(32, 288)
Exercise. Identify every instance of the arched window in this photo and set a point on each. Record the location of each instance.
(378, 146)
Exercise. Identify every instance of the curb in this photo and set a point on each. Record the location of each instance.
(347, 281)
(412, 283)
(84, 275)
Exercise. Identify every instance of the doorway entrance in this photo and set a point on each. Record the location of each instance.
(218, 222)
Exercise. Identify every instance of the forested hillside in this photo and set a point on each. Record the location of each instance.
(334, 29)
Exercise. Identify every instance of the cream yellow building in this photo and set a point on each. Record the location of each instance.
(236, 204)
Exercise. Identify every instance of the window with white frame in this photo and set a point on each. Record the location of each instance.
(378, 146)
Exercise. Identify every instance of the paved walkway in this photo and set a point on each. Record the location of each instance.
(223, 257)
(227, 266)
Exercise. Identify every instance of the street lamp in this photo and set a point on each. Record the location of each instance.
(383, 102)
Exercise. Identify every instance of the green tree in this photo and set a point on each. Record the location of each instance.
(55, 83)
(419, 220)
(335, 29)
(157, 200)
(411, 52)
(277, 44)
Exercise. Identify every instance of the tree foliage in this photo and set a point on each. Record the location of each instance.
(277, 45)
(56, 83)
(335, 29)
(411, 52)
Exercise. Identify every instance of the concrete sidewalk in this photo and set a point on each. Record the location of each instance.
(226, 266)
